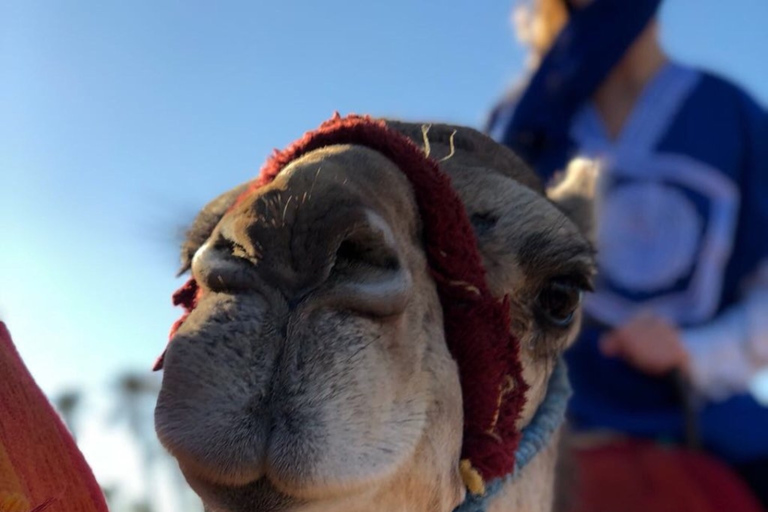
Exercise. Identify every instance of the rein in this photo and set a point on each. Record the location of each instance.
(536, 436)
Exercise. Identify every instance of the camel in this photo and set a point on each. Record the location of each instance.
(313, 375)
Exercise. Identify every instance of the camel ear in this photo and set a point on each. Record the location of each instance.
(574, 194)
(204, 224)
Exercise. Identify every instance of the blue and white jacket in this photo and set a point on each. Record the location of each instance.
(682, 231)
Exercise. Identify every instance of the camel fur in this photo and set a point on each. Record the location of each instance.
(313, 373)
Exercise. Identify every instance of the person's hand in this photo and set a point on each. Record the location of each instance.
(648, 343)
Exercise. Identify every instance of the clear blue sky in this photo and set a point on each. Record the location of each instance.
(118, 120)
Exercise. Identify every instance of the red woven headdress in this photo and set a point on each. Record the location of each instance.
(477, 325)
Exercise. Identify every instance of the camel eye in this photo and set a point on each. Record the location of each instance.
(557, 302)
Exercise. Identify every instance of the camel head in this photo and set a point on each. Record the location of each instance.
(313, 373)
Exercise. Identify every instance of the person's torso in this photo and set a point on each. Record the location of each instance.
(666, 210)
(671, 239)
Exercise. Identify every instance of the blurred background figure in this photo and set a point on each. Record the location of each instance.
(682, 217)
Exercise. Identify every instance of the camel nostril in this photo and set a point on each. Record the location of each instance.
(370, 244)
(359, 252)
(367, 275)
(224, 266)
(228, 246)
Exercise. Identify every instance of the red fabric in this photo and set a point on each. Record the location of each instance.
(186, 297)
(641, 476)
(477, 325)
(41, 468)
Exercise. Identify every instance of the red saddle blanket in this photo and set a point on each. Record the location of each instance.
(41, 468)
(642, 476)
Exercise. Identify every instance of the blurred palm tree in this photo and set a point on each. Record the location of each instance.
(141, 507)
(136, 396)
(137, 392)
(67, 403)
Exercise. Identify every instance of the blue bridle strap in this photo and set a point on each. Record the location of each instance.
(536, 436)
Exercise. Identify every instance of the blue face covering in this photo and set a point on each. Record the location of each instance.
(589, 46)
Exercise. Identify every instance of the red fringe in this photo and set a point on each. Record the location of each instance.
(186, 297)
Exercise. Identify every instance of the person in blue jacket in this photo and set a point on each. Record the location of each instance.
(681, 228)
